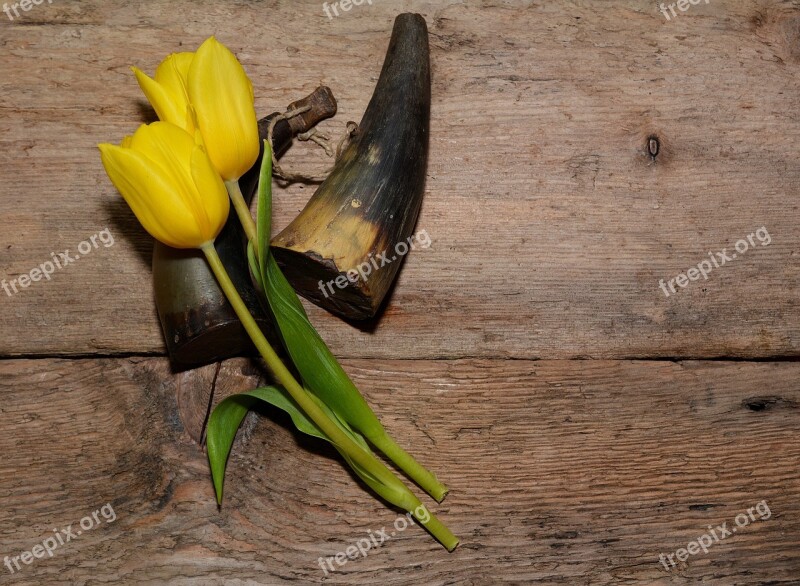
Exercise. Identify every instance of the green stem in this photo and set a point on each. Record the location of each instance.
(424, 478)
(242, 210)
(416, 471)
(364, 459)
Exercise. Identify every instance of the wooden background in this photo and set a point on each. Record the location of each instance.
(585, 422)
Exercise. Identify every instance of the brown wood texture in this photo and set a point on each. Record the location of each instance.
(564, 472)
(551, 227)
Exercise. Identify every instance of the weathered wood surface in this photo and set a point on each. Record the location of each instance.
(561, 473)
(551, 226)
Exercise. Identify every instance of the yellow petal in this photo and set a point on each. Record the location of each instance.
(154, 199)
(170, 148)
(216, 203)
(173, 74)
(168, 108)
(170, 184)
(222, 98)
(177, 155)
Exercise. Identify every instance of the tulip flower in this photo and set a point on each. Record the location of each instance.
(221, 96)
(167, 92)
(170, 184)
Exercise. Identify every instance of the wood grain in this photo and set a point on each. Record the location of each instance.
(561, 473)
(551, 225)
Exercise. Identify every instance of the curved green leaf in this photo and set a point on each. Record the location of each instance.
(255, 270)
(227, 417)
(223, 424)
(319, 369)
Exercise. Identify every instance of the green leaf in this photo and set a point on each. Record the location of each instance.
(278, 397)
(255, 270)
(264, 208)
(223, 424)
(319, 369)
(227, 417)
(396, 493)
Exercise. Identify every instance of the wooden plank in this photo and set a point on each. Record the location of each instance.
(561, 473)
(551, 226)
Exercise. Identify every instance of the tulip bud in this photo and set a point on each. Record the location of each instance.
(170, 184)
(221, 96)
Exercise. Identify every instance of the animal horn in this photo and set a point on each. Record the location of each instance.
(333, 251)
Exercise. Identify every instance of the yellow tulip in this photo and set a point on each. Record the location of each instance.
(170, 184)
(221, 96)
(167, 92)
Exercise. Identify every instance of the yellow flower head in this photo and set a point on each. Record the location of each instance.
(170, 184)
(221, 97)
(167, 92)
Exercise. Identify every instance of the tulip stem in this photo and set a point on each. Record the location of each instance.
(345, 444)
(242, 209)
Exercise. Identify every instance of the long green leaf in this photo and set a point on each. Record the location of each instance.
(264, 209)
(223, 424)
(255, 270)
(319, 370)
(227, 417)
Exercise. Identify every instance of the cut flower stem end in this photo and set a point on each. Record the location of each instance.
(284, 377)
(418, 473)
